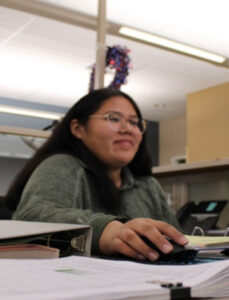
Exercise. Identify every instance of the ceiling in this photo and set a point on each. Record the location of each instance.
(47, 62)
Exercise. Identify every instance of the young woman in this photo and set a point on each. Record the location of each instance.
(95, 170)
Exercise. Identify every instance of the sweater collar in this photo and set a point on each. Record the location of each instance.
(128, 180)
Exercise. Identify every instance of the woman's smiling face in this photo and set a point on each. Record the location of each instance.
(114, 148)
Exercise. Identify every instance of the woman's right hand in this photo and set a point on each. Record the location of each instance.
(125, 238)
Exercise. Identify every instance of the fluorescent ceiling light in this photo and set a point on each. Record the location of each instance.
(30, 112)
(166, 43)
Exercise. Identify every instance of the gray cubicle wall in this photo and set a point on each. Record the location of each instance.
(9, 167)
(152, 141)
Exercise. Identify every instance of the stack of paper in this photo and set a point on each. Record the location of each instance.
(208, 241)
(84, 278)
(214, 247)
(32, 251)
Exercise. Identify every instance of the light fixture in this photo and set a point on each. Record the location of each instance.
(30, 112)
(172, 45)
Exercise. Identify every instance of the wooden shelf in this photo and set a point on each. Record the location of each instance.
(24, 132)
(195, 167)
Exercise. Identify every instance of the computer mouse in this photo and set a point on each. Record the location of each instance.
(179, 253)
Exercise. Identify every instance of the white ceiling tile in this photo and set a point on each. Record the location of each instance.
(48, 61)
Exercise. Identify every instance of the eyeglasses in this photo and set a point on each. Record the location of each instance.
(117, 121)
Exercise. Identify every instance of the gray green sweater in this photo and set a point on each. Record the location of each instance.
(59, 191)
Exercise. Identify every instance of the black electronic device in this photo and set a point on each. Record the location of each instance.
(207, 215)
(179, 253)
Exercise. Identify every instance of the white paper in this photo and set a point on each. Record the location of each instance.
(87, 278)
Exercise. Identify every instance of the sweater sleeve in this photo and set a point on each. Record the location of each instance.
(56, 192)
(166, 211)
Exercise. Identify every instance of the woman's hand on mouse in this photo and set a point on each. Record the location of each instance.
(125, 238)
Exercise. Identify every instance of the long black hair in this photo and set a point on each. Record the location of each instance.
(63, 141)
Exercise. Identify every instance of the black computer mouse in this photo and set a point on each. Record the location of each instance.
(179, 253)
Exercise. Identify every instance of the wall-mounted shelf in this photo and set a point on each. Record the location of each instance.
(190, 168)
(24, 132)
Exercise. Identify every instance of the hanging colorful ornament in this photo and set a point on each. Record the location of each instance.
(116, 58)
